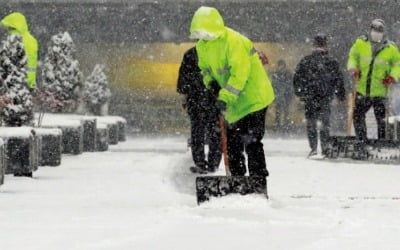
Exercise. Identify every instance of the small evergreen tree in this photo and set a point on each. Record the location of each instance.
(13, 83)
(96, 90)
(61, 74)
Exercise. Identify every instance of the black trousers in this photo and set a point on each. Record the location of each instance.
(205, 130)
(318, 109)
(243, 136)
(363, 104)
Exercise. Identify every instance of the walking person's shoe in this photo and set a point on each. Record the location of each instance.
(199, 169)
(312, 153)
(212, 166)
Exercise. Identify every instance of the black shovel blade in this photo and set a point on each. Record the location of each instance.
(216, 186)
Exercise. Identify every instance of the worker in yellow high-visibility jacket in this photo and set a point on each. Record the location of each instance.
(15, 23)
(229, 61)
(374, 63)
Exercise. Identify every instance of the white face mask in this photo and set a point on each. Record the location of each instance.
(376, 36)
(200, 34)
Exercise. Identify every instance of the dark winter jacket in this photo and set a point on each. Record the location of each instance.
(318, 76)
(283, 87)
(190, 83)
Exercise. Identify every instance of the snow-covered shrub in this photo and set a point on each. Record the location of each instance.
(13, 85)
(61, 74)
(96, 90)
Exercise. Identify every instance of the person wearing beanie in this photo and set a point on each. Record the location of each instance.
(374, 63)
(316, 81)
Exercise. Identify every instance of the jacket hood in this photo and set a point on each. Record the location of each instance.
(207, 20)
(16, 21)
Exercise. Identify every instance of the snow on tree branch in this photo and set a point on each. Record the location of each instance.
(13, 85)
(61, 74)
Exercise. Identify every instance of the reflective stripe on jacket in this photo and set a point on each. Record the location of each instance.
(232, 61)
(386, 63)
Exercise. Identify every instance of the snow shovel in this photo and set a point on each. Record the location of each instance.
(217, 186)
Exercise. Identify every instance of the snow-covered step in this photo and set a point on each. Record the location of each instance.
(22, 149)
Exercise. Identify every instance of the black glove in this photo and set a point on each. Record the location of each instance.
(220, 105)
(214, 88)
(304, 98)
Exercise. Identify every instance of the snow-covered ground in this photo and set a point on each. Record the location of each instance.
(141, 196)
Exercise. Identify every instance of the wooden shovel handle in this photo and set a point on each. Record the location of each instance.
(350, 111)
(224, 145)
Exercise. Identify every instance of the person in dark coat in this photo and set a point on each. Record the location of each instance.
(200, 105)
(317, 79)
(282, 82)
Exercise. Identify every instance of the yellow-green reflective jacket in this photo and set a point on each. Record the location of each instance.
(233, 62)
(19, 26)
(386, 63)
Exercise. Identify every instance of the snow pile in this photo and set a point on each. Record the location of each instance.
(96, 91)
(48, 131)
(16, 132)
(140, 195)
(61, 74)
(13, 85)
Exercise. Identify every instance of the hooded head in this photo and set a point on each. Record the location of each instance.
(16, 22)
(378, 30)
(207, 24)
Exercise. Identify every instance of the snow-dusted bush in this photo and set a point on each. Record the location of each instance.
(96, 90)
(13, 85)
(61, 74)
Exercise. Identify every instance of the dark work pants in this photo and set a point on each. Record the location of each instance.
(318, 109)
(205, 125)
(245, 135)
(363, 104)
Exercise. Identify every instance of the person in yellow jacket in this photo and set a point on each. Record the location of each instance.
(15, 24)
(230, 65)
(374, 63)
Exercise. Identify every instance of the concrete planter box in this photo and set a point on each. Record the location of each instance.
(113, 134)
(117, 127)
(89, 133)
(2, 161)
(72, 131)
(22, 149)
(51, 148)
(72, 140)
(122, 130)
(102, 137)
(63, 121)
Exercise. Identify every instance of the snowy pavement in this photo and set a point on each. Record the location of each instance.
(140, 195)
